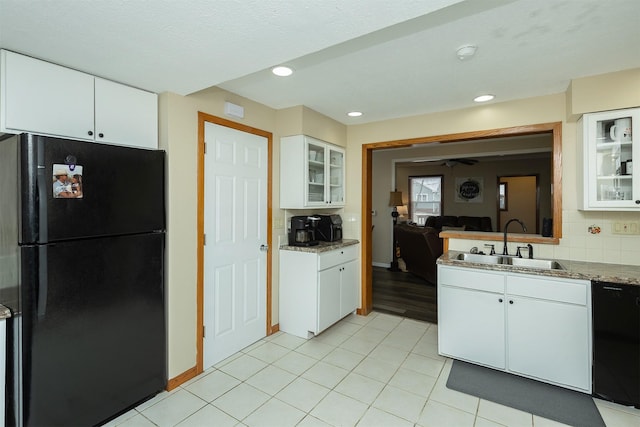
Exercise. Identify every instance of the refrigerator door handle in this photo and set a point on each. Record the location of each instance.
(42, 203)
(43, 283)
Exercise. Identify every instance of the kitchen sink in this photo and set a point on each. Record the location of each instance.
(544, 264)
(481, 259)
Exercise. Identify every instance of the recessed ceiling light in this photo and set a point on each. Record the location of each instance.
(483, 98)
(354, 113)
(282, 71)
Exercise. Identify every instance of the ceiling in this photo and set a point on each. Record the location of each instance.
(385, 58)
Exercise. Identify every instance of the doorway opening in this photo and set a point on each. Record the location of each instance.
(554, 129)
(519, 197)
(204, 120)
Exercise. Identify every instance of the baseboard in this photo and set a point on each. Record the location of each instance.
(182, 378)
(193, 372)
(381, 264)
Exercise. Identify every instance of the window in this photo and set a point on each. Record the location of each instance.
(425, 197)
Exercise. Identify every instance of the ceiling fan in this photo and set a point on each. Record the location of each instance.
(452, 162)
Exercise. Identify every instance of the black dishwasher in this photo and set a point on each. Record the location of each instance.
(616, 342)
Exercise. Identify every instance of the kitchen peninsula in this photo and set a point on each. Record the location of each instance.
(495, 313)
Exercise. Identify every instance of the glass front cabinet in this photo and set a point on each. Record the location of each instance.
(311, 173)
(608, 143)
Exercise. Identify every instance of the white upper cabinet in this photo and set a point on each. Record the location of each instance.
(40, 97)
(125, 115)
(47, 99)
(607, 144)
(311, 173)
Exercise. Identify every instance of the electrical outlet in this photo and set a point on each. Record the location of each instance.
(627, 227)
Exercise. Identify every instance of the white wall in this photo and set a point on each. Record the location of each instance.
(178, 135)
(577, 243)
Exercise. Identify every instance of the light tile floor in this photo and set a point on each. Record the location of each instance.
(378, 370)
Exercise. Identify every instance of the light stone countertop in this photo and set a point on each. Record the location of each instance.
(321, 246)
(614, 273)
(5, 313)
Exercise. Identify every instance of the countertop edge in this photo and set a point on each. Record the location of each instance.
(5, 313)
(321, 246)
(583, 270)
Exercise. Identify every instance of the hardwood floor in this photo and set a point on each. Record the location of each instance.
(404, 294)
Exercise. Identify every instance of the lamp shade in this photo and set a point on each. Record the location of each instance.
(395, 199)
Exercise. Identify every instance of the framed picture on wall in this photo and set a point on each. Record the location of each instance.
(469, 190)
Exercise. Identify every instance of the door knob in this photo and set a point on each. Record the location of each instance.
(264, 248)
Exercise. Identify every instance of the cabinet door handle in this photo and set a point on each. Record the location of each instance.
(637, 202)
(90, 133)
(499, 299)
(101, 135)
(510, 301)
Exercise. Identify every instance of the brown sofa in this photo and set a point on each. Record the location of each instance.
(470, 223)
(420, 246)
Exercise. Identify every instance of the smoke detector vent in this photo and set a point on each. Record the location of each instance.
(466, 52)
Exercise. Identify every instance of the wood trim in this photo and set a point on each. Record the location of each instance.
(469, 136)
(270, 329)
(200, 248)
(496, 237)
(182, 378)
(557, 181)
(555, 128)
(366, 302)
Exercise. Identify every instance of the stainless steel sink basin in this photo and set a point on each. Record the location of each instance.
(481, 259)
(546, 264)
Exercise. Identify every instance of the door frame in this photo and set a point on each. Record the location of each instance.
(208, 118)
(554, 128)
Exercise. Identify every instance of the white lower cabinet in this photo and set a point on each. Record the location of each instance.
(317, 289)
(549, 329)
(530, 325)
(471, 320)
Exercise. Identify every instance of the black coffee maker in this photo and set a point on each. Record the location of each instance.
(303, 230)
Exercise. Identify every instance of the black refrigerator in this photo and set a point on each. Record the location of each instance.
(82, 238)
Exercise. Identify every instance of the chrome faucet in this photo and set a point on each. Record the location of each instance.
(504, 249)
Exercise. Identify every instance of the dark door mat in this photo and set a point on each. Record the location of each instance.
(538, 398)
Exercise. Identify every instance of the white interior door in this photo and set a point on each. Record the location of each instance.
(235, 226)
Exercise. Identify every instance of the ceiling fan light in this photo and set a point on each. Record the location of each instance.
(484, 98)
